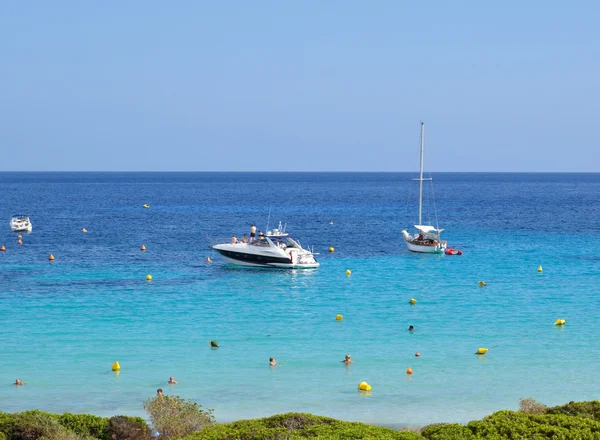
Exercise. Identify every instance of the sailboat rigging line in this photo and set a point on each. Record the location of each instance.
(434, 207)
(408, 194)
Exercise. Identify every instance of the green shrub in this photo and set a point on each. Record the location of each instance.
(241, 431)
(354, 430)
(518, 425)
(294, 421)
(173, 416)
(128, 428)
(447, 431)
(6, 423)
(85, 425)
(531, 406)
(298, 426)
(31, 425)
(589, 410)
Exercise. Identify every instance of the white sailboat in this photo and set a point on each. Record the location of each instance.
(427, 239)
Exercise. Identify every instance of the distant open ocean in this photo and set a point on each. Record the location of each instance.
(63, 323)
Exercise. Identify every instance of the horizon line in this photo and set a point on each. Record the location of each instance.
(304, 172)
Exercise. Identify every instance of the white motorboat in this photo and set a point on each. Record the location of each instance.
(276, 249)
(427, 239)
(20, 223)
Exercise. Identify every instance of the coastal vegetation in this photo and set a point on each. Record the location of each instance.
(173, 417)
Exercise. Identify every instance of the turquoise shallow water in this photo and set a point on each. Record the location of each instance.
(64, 323)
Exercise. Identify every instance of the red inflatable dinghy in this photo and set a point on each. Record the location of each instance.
(451, 251)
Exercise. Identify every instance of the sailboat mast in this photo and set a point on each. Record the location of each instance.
(421, 173)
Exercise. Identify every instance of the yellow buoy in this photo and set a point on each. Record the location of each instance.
(481, 351)
(143, 248)
(364, 386)
(332, 249)
(2, 248)
(116, 366)
(19, 236)
(481, 283)
(338, 317)
(560, 322)
(413, 301)
(540, 269)
(149, 277)
(51, 257)
(348, 272)
(208, 260)
(84, 230)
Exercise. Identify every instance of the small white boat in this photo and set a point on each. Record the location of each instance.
(427, 239)
(274, 250)
(20, 223)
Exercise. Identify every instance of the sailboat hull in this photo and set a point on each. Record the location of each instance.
(438, 248)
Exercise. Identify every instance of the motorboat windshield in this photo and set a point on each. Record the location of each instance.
(261, 242)
(280, 241)
(284, 242)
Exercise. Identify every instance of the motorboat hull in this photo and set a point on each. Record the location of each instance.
(21, 229)
(241, 255)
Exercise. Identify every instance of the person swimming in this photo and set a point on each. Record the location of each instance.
(272, 362)
(18, 382)
(159, 392)
(411, 328)
(214, 344)
(347, 360)
(172, 381)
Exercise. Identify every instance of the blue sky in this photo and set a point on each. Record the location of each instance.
(299, 86)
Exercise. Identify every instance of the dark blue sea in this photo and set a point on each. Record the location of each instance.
(65, 322)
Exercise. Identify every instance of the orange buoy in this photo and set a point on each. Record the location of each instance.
(19, 242)
(2, 248)
(51, 257)
(409, 371)
(208, 260)
(143, 248)
(417, 354)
